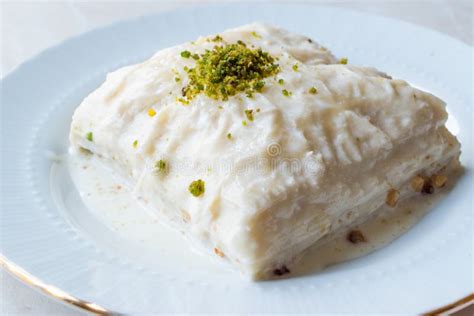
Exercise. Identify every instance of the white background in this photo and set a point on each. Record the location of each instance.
(28, 27)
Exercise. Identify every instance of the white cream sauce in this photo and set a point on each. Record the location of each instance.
(111, 201)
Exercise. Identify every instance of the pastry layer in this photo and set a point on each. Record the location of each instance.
(309, 161)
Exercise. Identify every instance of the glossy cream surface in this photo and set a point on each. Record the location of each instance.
(305, 167)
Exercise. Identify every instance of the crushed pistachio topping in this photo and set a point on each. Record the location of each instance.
(220, 107)
(257, 110)
(281, 81)
(90, 136)
(197, 187)
(161, 165)
(177, 79)
(244, 123)
(286, 93)
(249, 114)
(313, 90)
(343, 61)
(229, 136)
(85, 151)
(295, 67)
(151, 112)
(256, 35)
(229, 69)
(217, 38)
(258, 86)
(185, 54)
(135, 143)
(182, 101)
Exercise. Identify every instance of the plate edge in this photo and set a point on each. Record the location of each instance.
(50, 290)
(219, 5)
(450, 308)
(96, 309)
(58, 294)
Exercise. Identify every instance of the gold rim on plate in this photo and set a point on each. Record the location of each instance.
(451, 307)
(51, 290)
(94, 308)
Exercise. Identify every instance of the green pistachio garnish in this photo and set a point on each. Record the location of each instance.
(160, 165)
(295, 67)
(286, 93)
(185, 54)
(90, 136)
(249, 114)
(85, 151)
(258, 86)
(343, 61)
(229, 136)
(197, 188)
(229, 69)
(135, 143)
(254, 34)
(182, 101)
(244, 123)
(195, 56)
(217, 38)
(177, 79)
(281, 81)
(313, 90)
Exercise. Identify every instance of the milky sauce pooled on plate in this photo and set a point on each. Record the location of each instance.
(108, 198)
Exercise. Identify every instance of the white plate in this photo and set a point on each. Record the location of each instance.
(42, 239)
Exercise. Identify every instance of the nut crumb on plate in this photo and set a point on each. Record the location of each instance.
(281, 271)
(392, 198)
(218, 252)
(438, 180)
(417, 183)
(356, 236)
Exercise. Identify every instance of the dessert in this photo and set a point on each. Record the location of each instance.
(259, 143)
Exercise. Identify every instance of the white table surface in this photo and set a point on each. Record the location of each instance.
(28, 27)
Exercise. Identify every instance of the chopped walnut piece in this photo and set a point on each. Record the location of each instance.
(438, 180)
(281, 271)
(392, 198)
(427, 188)
(356, 236)
(218, 252)
(417, 183)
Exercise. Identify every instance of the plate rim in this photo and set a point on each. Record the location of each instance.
(51, 291)
(96, 309)
(80, 304)
(216, 4)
